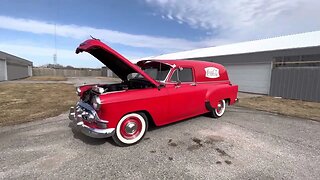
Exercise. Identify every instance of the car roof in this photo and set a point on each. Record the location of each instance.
(184, 62)
(198, 66)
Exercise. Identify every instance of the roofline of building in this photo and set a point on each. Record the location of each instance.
(6, 55)
(302, 40)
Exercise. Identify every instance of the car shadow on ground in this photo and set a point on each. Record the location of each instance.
(89, 140)
(152, 127)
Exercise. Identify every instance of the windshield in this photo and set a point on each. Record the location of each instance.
(155, 73)
(156, 70)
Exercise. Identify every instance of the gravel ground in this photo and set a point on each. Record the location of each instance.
(243, 144)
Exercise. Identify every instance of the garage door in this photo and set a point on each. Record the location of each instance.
(254, 78)
(3, 70)
(17, 71)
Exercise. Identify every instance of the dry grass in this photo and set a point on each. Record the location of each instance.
(46, 78)
(27, 102)
(296, 108)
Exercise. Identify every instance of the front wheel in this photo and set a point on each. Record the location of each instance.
(130, 129)
(219, 111)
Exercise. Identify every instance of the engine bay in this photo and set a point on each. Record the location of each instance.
(136, 83)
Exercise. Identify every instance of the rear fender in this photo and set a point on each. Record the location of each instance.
(221, 92)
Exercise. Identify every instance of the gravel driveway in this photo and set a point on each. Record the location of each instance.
(243, 144)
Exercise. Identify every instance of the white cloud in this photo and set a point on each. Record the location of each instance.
(239, 20)
(44, 55)
(83, 32)
(223, 21)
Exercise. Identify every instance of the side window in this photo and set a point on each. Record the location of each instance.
(174, 77)
(185, 75)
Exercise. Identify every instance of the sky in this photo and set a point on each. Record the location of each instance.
(37, 29)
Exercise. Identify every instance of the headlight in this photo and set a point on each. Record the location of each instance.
(78, 91)
(96, 103)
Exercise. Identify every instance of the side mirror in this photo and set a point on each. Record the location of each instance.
(178, 83)
(161, 86)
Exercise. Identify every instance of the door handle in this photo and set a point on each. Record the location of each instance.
(193, 84)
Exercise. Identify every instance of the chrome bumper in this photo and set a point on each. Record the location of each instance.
(83, 112)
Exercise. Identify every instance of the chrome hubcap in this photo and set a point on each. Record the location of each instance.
(131, 128)
(219, 107)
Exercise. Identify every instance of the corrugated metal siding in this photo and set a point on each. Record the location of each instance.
(296, 83)
(3, 73)
(254, 78)
(17, 71)
(260, 57)
(29, 70)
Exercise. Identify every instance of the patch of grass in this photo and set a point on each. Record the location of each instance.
(27, 102)
(46, 78)
(296, 108)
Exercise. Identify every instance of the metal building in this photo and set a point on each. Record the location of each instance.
(13, 67)
(287, 66)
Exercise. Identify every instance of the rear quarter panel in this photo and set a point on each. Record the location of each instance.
(217, 92)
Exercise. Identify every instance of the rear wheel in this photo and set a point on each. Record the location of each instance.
(130, 129)
(219, 111)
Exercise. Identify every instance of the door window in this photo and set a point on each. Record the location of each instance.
(184, 75)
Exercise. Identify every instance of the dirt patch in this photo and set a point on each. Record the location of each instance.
(211, 139)
(197, 140)
(46, 78)
(173, 144)
(222, 152)
(27, 102)
(296, 108)
(228, 162)
(194, 147)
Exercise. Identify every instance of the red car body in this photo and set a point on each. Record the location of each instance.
(157, 91)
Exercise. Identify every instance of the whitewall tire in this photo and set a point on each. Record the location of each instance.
(219, 111)
(130, 129)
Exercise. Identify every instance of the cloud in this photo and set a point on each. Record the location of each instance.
(241, 20)
(110, 36)
(44, 55)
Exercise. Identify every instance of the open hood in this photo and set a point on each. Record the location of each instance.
(121, 66)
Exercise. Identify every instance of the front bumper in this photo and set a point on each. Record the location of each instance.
(84, 112)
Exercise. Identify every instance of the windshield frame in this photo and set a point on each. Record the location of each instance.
(156, 65)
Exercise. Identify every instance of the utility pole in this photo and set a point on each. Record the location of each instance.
(55, 45)
(55, 56)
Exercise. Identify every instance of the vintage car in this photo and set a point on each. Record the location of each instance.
(152, 91)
